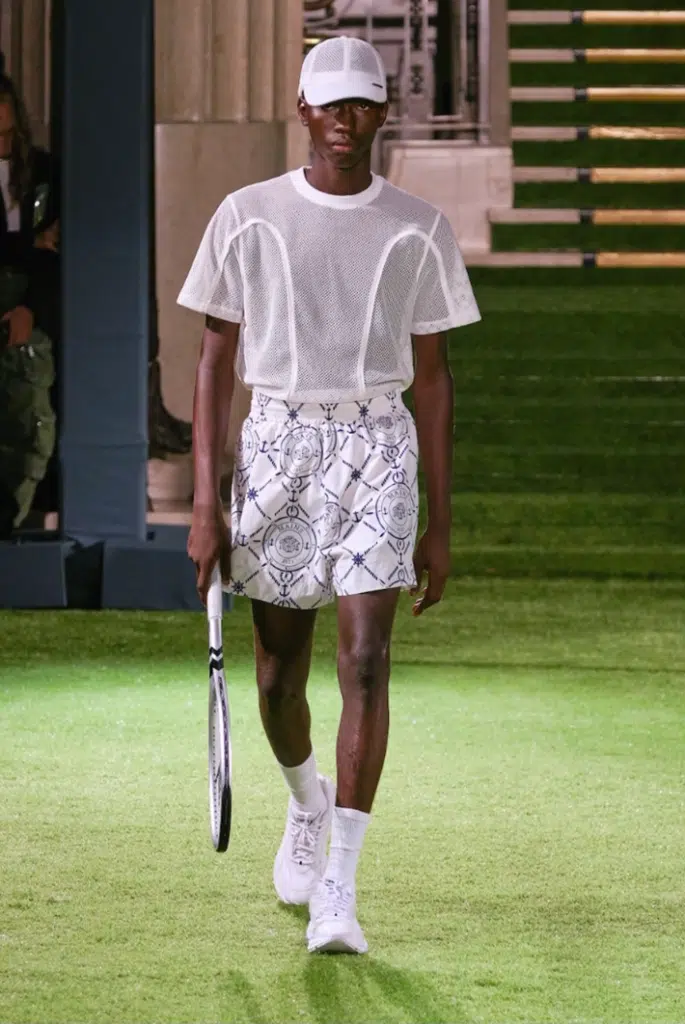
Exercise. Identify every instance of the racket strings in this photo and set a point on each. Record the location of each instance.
(216, 759)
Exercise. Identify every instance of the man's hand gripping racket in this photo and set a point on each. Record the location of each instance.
(220, 796)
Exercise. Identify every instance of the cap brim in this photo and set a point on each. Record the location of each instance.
(336, 86)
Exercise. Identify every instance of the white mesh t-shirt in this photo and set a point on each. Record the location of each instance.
(328, 289)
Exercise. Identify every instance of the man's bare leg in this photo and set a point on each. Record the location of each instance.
(283, 648)
(365, 624)
(364, 629)
(283, 651)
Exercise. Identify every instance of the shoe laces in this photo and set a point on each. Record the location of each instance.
(305, 831)
(336, 898)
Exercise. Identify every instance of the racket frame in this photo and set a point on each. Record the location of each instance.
(219, 753)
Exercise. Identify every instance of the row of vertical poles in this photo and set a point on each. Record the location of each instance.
(458, 86)
(474, 32)
(418, 103)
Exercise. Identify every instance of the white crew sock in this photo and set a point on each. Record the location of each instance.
(303, 782)
(347, 836)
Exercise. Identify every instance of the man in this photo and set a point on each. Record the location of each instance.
(316, 281)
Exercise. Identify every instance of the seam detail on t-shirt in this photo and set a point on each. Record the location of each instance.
(449, 302)
(289, 290)
(389, 246)
(239, 246)
(429, 239)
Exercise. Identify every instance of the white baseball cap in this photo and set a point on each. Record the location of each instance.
(343, 68)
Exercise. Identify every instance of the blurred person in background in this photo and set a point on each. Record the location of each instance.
(167, 434)
(29, 308)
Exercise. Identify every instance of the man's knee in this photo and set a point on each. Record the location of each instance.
(363, 666)
(283, 649)
(278, 680)
(282, 667)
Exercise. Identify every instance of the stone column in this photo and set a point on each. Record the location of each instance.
(25, 42)
(498, 71)
(226, 90)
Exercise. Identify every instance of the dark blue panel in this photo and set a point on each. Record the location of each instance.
(107, 126)
(32, 575)
(113, 401)
(152, 576)
(120, 473)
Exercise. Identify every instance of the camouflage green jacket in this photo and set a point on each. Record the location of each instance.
(27, 419)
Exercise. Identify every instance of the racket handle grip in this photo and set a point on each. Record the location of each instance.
(215, 597)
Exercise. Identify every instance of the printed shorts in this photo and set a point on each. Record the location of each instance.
(324, 500)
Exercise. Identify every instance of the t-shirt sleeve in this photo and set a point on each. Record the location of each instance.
(444, 297)
(214, 285)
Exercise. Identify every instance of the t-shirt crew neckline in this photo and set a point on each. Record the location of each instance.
(314, 195)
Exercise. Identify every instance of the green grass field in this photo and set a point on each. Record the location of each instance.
(525, 861)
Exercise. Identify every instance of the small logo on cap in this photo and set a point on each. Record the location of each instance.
(377, 84)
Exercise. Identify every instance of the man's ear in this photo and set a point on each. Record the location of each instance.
(303, 111)
(384, 115)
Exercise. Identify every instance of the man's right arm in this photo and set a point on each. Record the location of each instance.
(212, 407)
(208, 540)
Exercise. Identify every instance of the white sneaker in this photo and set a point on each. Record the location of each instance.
(301, 858)
(333, 925)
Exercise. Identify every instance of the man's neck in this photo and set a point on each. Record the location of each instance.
(336, 182)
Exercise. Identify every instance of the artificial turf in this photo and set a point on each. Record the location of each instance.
(524, 862)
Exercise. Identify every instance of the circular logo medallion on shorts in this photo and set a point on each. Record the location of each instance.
(289, 544)
(389, 428)
(301, 452)
(328, 525)
(247, 446)
(395, 510)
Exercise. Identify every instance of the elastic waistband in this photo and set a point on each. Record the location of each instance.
(265, 407)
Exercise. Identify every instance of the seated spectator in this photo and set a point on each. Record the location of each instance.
(29, 308)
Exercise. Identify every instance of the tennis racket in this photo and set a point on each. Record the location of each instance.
(220, 797)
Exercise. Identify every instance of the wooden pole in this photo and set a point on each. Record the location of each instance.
(640, 259)
(638, 175)
(636, 134)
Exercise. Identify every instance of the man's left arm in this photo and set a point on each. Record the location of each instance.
(433, 391)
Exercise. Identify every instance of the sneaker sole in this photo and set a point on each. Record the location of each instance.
(337, 944)
(301, 899)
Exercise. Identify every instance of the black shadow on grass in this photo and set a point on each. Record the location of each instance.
(362, 990)
(235, 983)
